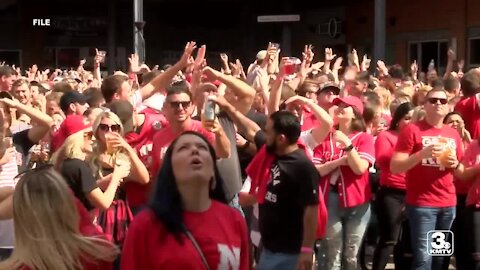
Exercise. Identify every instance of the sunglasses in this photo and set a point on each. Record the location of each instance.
(112, 128)
(443, 101)
(176, 104)
(88, 135)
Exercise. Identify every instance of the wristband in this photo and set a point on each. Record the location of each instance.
(348, 148)
(306, 250)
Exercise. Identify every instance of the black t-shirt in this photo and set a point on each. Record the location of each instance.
(80, 178)
(293, 186)
(244, 157)
(22, 145)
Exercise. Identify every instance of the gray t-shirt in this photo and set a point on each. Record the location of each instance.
(230, 167)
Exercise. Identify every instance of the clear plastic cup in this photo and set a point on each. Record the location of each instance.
(109, 142)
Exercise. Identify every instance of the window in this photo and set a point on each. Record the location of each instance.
(426, 51)
(474, 51)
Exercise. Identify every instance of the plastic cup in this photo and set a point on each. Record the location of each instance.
(442, 157)
(109, 142)
(290, 66)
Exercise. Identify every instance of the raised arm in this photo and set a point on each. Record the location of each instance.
(250, 127)
(326, 122)
(42, 120)
(163, 80)
(244, 92)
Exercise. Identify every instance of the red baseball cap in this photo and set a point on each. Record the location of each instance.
(71, 125)
(350, 101)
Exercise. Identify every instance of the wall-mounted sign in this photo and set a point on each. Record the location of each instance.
(278, 18)
(78, 26)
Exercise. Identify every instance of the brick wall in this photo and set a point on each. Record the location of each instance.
(413, 16)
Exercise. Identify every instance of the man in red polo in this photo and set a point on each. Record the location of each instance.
(431, 195)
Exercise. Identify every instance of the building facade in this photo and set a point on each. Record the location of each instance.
(421, 30)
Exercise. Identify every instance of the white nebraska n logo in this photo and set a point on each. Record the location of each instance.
(228, 259)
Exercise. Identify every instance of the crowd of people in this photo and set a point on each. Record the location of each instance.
(281, 165)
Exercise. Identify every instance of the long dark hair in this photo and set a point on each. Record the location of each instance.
(445, 119)
(166, 202)
(399, 114)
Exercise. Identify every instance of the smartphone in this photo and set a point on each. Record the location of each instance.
(209, 110)
(276, 45)
(102, 54)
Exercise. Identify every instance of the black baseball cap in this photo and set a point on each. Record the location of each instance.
(330, 86)
(124, 110)
(70, 97)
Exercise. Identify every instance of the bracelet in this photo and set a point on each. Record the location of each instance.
(306, 250)
(348, 148)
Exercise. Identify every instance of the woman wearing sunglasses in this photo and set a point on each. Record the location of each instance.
(72, 161)
(111, 153)
(51, 230)
(391, 195)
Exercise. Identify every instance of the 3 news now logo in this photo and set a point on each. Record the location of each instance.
(440, 243)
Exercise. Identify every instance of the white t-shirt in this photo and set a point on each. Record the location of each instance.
(8, 172)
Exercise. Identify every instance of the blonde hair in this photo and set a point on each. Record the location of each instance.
(99, 148)
(46, 222)
(418, 114)
(386, 96)
(71, 148)
(404, 91)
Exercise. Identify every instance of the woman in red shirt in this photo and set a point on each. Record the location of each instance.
(51, 231)
(188, 224)
(343, 160)
(391, 195)
(471, 231)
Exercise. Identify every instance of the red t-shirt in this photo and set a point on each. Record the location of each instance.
(462, 187)
(384, 146)
(309, 120)
(353, 190)
(427, 184)
(137, 194)
(469, 109)
(221, 233)
(163, 139)
(472, 158)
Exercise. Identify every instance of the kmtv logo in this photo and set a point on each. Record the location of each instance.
(440, 243)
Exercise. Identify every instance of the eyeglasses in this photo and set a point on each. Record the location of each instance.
(88, 135)
(443, 101)
(112, 128)
(176, 104)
